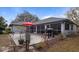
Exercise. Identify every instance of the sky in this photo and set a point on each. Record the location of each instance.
(10, 13)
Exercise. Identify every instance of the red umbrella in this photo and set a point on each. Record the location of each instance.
(27, 24)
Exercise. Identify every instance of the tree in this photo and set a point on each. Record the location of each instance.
(3, 24)
(26, 15)
(73, 15)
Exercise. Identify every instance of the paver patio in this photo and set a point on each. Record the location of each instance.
(34, 38)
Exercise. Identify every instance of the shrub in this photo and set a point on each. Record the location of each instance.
(8, 30)
(40, 46)
(61, 37)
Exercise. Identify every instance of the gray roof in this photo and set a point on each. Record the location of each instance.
(47, 20)
(51, 19)
(18, 24)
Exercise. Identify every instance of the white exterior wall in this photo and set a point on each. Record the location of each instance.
(69, 27)
(36, 29)
(62, 28)
(74, 28)
(13, 28)
(67, 32)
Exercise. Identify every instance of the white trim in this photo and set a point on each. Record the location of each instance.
(45, 26)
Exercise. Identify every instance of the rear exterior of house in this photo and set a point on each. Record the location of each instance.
(59, 25)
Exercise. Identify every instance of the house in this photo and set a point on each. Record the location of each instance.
(59, 25)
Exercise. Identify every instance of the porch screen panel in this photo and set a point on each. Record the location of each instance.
(42, 28)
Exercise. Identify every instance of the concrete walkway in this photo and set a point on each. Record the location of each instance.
(34, 38)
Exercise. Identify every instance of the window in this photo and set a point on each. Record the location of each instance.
(66, 26)
(72, 27)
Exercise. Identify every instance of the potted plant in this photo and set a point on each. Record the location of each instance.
(21, 41)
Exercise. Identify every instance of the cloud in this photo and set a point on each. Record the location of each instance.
(46, 17)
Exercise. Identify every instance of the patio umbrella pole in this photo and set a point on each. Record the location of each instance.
(27, 33)
(27, 39)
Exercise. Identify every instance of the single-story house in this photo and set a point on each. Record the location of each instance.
(60, 25)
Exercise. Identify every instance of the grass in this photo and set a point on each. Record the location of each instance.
(68, 45)
(4, 40)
